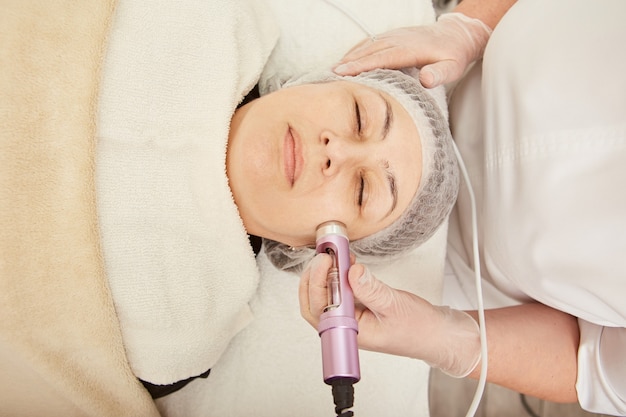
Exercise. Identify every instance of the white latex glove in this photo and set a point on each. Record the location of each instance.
(443, 50)
(397, 322)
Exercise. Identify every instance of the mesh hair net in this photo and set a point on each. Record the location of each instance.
(439, 183)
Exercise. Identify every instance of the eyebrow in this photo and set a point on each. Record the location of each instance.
(391, 178)
(388, 117)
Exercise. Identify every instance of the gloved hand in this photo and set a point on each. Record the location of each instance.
(442, 50)
(397, 322)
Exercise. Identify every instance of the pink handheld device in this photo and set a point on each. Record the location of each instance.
(337, 327)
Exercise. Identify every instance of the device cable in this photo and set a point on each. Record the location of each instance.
(353, 17)
(343, 396)
(479, 294)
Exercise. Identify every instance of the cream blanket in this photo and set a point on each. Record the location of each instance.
(61, 351)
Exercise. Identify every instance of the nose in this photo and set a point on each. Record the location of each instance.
(343, 153)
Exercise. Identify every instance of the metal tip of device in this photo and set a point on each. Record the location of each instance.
(331, 227)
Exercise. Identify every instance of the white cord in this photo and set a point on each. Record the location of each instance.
(479, 293)
(352, 16)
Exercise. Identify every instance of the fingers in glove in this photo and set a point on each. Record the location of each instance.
(312, 291)
(387, 59)
(365, 47)
(396, 38)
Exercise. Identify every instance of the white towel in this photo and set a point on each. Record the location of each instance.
(177, 257)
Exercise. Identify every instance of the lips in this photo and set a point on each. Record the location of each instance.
(292, 157)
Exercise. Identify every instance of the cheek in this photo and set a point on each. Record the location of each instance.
(259, 164)
(328, 206)
(309, 210)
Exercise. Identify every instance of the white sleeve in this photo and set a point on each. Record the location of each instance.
(555, 146)
(601, 384)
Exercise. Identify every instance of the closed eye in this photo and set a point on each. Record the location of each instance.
(361, 190)
(357, 112)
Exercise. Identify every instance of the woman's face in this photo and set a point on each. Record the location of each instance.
(334, 151)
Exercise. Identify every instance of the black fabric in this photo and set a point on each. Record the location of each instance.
(252, 95)
(158, 391)
(256, 243)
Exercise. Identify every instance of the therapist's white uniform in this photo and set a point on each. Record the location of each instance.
(543, 133)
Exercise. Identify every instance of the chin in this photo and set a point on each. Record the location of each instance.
(294, 242)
